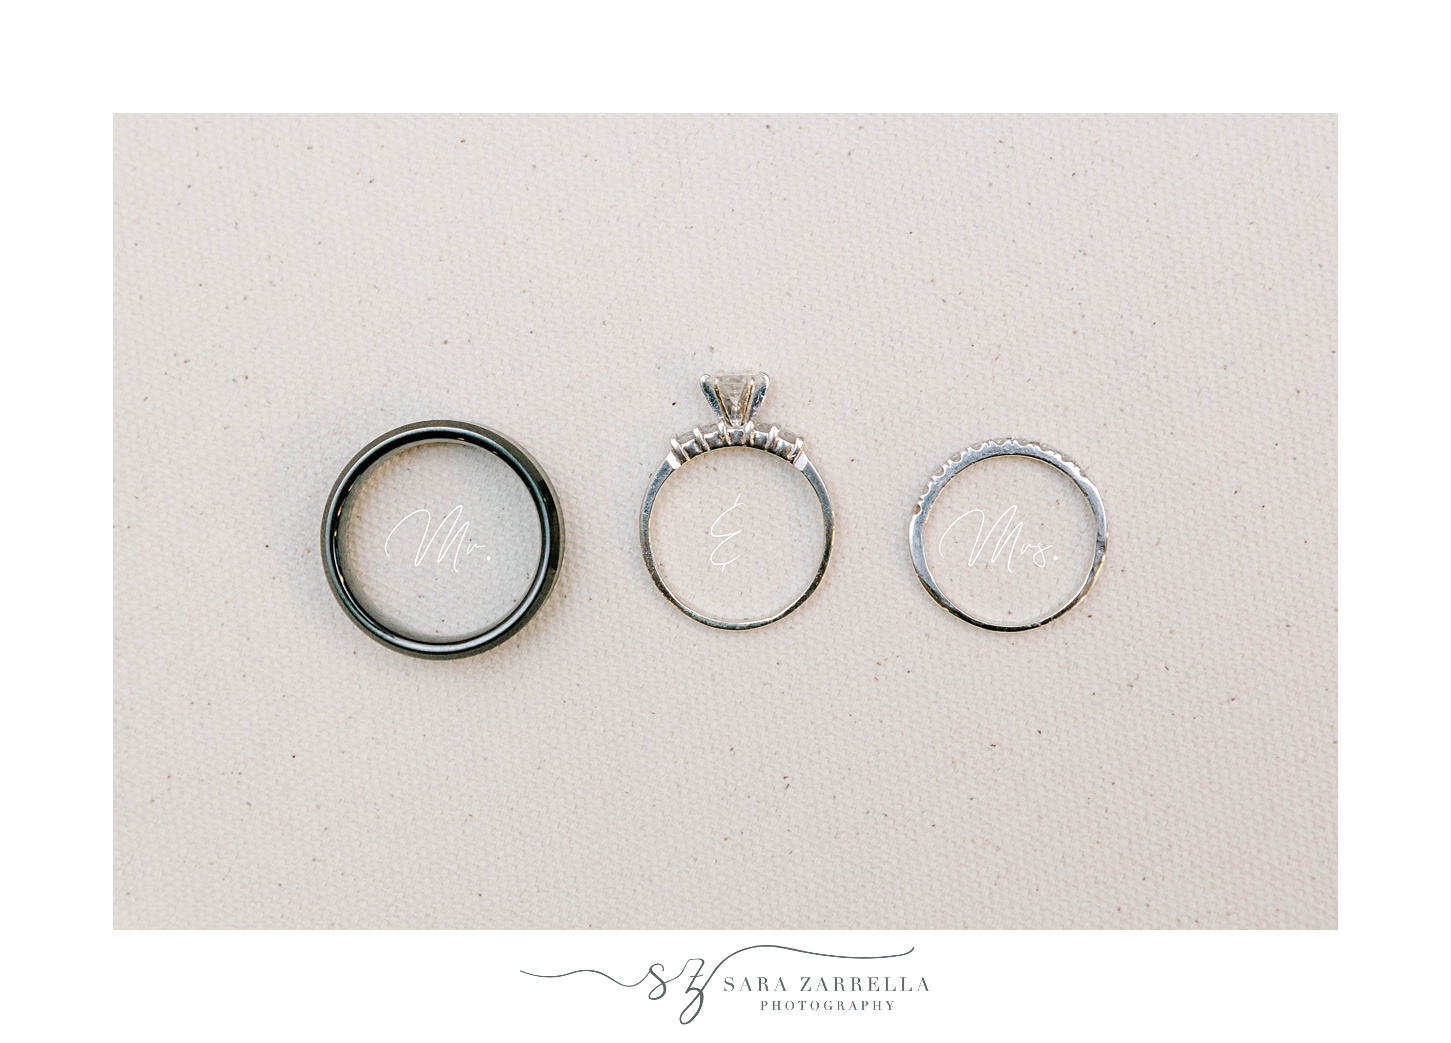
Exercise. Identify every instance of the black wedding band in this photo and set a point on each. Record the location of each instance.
(550, 525)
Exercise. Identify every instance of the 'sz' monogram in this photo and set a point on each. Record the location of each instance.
(698, 980)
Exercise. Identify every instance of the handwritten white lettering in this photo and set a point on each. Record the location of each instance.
(1008, 536)
(456, 537)
(724, 537)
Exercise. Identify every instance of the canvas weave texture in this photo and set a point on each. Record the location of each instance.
(1154, 297)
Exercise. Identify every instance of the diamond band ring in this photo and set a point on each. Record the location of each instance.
(736, 398)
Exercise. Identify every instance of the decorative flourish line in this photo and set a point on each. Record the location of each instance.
(585, 970)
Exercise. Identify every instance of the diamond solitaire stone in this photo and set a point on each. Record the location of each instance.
(735, 396)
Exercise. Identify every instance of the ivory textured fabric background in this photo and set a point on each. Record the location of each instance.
(1153, 296)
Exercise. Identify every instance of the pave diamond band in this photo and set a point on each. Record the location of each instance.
(958, 463)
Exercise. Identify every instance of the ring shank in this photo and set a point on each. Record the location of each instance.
(673, 463)
(540, 492)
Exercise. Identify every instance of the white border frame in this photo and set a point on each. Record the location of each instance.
(79, 978)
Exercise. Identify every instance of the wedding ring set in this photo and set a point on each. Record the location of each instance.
(736, 400)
